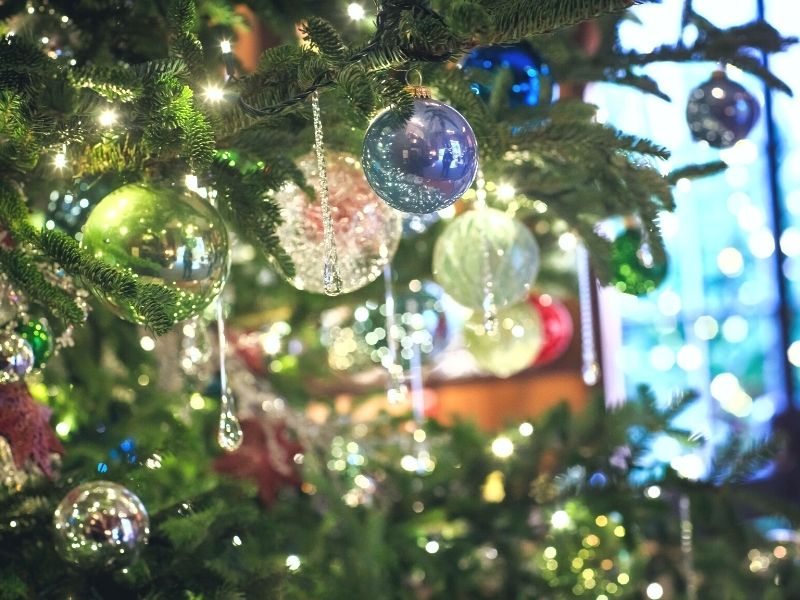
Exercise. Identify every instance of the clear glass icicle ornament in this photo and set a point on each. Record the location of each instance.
(229, 434)
(590, 368)
(331, 279)
(396, 388)
(489, 304)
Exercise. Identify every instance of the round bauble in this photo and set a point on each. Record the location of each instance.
(721, 111)
(161, 236)
(16, 357)
(425, 164)
(512, 347)
(365, 229)
(101, 525)
(421, 325)
(482, 247)
(40, 338)
(530, 82)
(635, 271)
(556, 328)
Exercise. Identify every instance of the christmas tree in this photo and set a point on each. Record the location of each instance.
(242, 242)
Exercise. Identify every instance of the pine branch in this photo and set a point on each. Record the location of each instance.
(516, 19)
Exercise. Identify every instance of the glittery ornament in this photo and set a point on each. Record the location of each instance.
(556, 328)
(635, 270)
(16, 357)
(420, 321)
(162, 236)
(721, 111)
(39, 336)
(25, 424)
(425, 164)
(529, 79)
(514, 344)
(366, 231)
(101, 525)
(484, 251)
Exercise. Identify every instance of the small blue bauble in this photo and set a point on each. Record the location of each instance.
(531, 81)
(424, 165)
(721, 111)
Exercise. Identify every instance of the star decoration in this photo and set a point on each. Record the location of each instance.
(25, 424)
(265, 457)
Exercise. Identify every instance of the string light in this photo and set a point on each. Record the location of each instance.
(60, 160)
(560, 519)
(526, 429)
(506, 191)
(225, 46)
(107, 118)
(355, 11)
(502, 447)
(214, 93)
(293, 562)
(655, 591)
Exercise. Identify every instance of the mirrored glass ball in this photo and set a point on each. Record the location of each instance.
(164, 236)
(512, 347)
(100, 525)
(529, 79)
(486, 249)
(16, 357)
(366, 230)
(721, 111)
(425, 164)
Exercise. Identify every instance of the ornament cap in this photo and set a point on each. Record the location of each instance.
(419, 91)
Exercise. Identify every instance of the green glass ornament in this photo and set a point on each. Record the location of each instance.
(512, 347)
(485, 251)
(161, 236)
(39, 336)
(635, 271)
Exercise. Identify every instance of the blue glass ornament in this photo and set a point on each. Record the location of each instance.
(531, 81)
(721, 111)
(425, 164)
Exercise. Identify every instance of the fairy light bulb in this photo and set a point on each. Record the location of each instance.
(355, 11)
(214, 93)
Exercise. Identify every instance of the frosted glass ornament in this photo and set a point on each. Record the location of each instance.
(484, 251)
(512, 347)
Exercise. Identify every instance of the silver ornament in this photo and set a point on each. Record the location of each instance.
(101, 524)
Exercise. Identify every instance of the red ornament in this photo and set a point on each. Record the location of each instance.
(266, 457)
(556, 328)
(25, 424)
